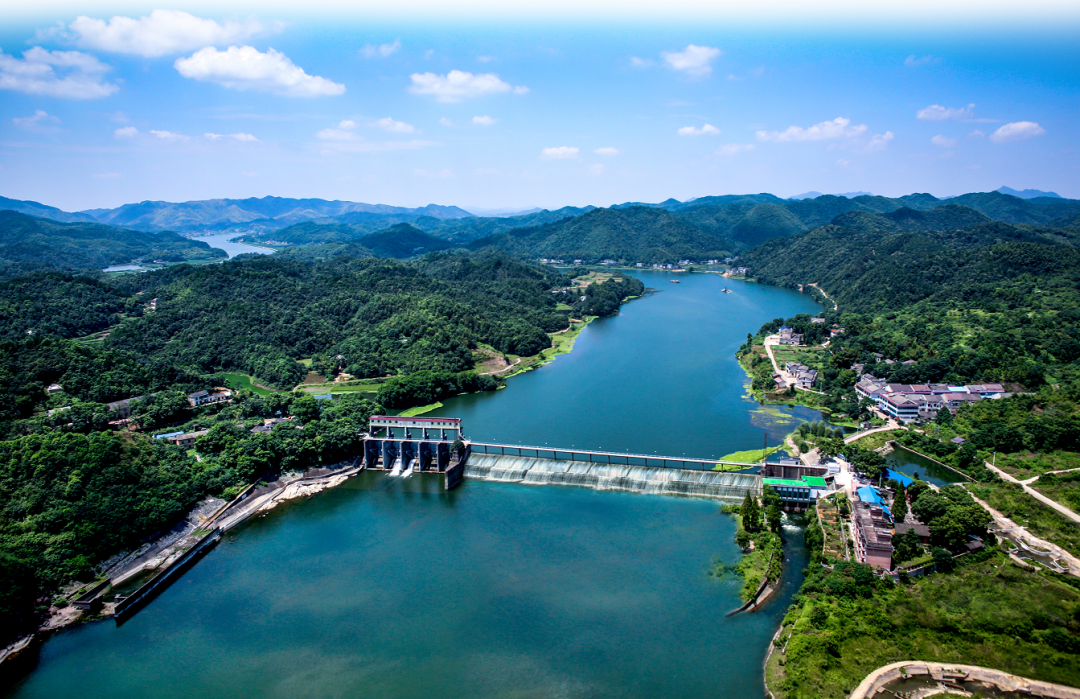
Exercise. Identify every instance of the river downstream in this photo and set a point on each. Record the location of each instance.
(392, 588)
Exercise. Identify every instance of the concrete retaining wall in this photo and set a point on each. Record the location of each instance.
(130, 605)
(888, 674)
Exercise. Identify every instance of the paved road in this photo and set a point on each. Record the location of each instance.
(1034, 493)
(1005, 523)
(892, 425)
(870, 686)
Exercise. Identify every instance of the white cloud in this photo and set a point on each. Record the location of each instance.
(843, 163)
(40, 122)
(838, 128)
(484, 120)
(1017, 131)
(734, 148)
(245, 68)
(361, 146)
(170, 136)
(935, 112)
(560, 153)
(244, 137)
(914, 61)
(694, 60)
(383, 50)
(66, 74)
(164, 32)
(486, 59)
(706, 130)
(607, 151)
(343, 132)
(458, 84)
(943, 141)
(126, 132)
(641, 62)
(391, 125)
(596, 169)
(446, 122)
(878, 142)
(976, 133)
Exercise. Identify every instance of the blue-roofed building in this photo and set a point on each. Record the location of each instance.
(899, 477)
(868, 494)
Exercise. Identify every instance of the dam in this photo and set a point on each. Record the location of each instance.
(406, 445)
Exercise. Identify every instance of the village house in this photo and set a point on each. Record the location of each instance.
(805, 377)
(789, 337)
(54, 388)
(817, 320)
(921, 530)
(122, 408)
(205, 397)
(186, 439)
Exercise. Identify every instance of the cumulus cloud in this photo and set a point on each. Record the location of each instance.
(65, 74)
(706, 130)
(171, 136)
(730, 149)
(246, 68)
(243, 137)
(342, 132)
(1017, 131)
(641, 62)
(943, 141)
(560, 153)
(694, 60)
(164, 32)
(484, 120)
(390, 125)
(607, 151)
(914, 61)
(459, 84)
(878, 142)
(935, 112)
(40, 122)
(126, 132)
(838, 128)
(382, 50)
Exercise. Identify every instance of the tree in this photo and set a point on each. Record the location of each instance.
(900, 506)
(751, 515)
(944, 417)
(830, 446)
(743, 538)
(943, 560)
(773, 514)
(905, 546)
(305, 408)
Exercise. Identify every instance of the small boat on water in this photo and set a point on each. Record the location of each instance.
(725, 290)
(673, 281)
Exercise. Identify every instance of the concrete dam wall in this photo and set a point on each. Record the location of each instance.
(639, 479)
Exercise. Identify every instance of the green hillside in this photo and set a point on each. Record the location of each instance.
(91, 245)
(636, 234)
(402, 241)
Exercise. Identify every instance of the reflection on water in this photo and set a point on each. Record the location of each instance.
(913, 465)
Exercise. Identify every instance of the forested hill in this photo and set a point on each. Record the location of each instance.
(27, 239)
(259, 315)
(636, 234)
(989, 302)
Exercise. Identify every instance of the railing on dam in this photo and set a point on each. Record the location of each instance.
(605, 457)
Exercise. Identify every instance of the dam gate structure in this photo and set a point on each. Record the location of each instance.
(406, 445)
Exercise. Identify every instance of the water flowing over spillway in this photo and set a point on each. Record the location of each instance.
(638, 479)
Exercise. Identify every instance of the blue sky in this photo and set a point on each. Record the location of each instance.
(418, 105)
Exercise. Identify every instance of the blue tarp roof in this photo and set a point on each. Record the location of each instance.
(898, 477)
(868, 494)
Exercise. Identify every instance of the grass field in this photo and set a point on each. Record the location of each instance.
(419, 410)
(876, 440)
(243, 381)
(1026, 464)
(752, 456)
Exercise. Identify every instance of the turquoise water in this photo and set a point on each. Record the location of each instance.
(391, 588)
(659, 377)
(912, 464)
(225, 242)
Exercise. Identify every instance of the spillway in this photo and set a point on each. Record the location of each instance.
(639, 479)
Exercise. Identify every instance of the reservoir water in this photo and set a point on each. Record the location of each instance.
(391, 588)
(226, 243)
